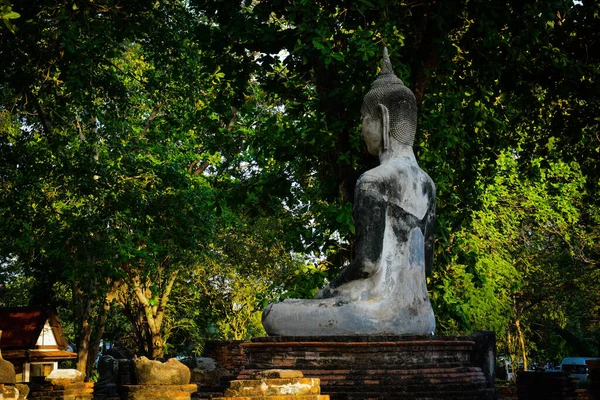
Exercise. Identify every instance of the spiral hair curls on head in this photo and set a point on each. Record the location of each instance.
(389, 91)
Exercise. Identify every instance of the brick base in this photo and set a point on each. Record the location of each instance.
(377, 367)
(73, 391)
(228, 354)
(230, 358)
(157, 392)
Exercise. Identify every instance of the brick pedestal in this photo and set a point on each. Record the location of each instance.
(228, 354)
(67, 391)
(230, 358)
(157, 392)
(377, 367)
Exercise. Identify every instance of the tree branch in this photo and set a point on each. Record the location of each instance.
(153, 115)
(46, 124)
(164, 299)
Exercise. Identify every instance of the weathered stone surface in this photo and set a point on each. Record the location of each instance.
(158, 392)
(23, 390)
(65, 376)
(7, 372)
(274, 387)
(275, 384)
(227, 354)
(9, 392)
(277, 373)
(205, 363)
(206, 378)
(383, 290)
(151, 372)
(280, 397)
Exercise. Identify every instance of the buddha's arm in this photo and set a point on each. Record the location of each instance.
(369, 222)
(428, 234)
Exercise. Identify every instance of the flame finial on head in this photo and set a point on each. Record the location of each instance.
(386, 64)
(386, 76)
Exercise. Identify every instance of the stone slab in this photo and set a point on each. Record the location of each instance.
(65, 376)
(7, 371)
(278, 373)
(9, 392)
(278, 384)
(153, 372)
(280, 397)
(157, 392)
(274, 387)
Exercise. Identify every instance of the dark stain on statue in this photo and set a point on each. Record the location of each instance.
(404, 222)
(413, 311)
(428, 191)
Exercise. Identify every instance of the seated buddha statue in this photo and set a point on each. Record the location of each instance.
(383, 290)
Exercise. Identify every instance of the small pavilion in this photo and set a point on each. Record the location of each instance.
(32, 339)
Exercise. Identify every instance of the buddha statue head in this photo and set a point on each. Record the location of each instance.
(389, 111)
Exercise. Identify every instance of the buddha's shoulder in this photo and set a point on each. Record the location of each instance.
(392, 172)
(373, 177)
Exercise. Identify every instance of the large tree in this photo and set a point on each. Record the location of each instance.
(103, 157)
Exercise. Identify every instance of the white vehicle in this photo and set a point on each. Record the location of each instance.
(576, 367)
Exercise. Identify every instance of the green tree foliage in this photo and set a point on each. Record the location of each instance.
(525, 94)
(242, 271)
(131, 131)
(102, 162)
(524, 258)
(7, 14)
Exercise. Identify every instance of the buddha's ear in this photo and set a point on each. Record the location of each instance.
(385, 124)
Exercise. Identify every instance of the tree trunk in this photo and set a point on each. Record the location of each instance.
(509, 345)
(522, 343)
(83, 346)
(94, 344)
(81, 311)
(158, 346)
(153, 314)
(520, 335)
(132, 312)
(98, 329)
